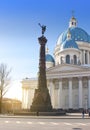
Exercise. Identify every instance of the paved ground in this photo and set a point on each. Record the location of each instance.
(71, 122)
(67, 116)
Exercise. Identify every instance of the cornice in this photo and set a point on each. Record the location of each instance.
(68, 74)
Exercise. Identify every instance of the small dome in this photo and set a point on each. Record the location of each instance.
(49, 58)
(77, 34)
(69, 44)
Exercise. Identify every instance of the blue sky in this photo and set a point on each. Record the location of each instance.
(19, 30)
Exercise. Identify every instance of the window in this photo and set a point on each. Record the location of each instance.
(72, 23)
(75, 59)
(68, 59)
(85, 58)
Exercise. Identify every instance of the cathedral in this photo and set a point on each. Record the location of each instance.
(67, 72)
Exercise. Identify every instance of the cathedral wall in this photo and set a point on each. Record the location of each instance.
(49, 64)
(65, 93)
(28, 88)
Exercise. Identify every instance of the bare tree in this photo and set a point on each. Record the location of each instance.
(4, 82)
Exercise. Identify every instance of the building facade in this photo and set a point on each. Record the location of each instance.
(68, 73)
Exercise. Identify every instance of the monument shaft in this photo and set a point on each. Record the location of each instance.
(41, 101)
(42, 67)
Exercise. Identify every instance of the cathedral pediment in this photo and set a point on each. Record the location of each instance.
(67, 67)
(65, 70)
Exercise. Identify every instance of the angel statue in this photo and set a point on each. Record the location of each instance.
(43, 28)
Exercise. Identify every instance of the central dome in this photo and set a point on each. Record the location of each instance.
(77, 34)
(69, 44)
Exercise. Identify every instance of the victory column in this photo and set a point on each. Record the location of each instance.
(41, 101)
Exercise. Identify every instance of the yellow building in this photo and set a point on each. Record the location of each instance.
(11, 105)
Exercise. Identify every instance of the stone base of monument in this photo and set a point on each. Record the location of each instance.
(41, 101)
(53, 113)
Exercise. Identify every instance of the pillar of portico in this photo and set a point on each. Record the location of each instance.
(23, 98)
(24, 106)
(88, 92)
(60, 94)
(52, 92)
(70, 93)
(80, 92)
(89, 57)
(71, 59)
(83, 56)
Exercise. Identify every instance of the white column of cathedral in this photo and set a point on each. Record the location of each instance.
(71, 59)
(70, 92)
(89, 92)
(26, 98)
(87, 57)
(50, 88)
(83, 56)
(77, 60)
(80, 92)
(52, 93)
(22, 98)
(60, 94)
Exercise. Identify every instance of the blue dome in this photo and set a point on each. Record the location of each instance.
(77, 34)
(49, 58)
(69, 44)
